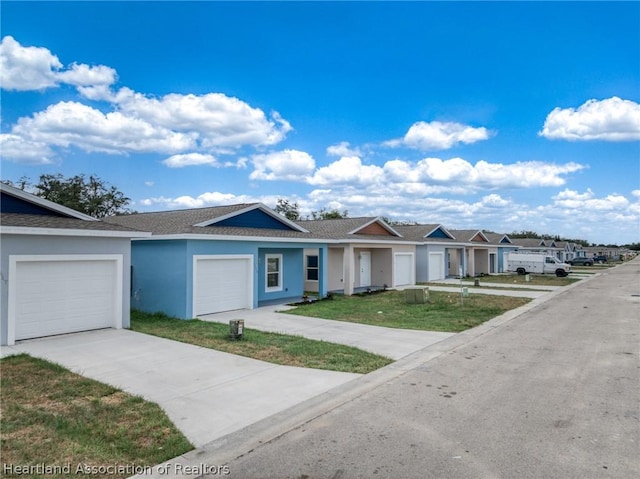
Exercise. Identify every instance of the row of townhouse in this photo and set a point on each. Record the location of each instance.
(63, 271)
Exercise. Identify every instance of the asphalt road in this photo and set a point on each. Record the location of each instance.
(553, 393)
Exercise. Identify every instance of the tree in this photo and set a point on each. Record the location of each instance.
(24, 183)
(289, 210)
(524, 234)
(391, 222)
(91, 196)
(323, 214)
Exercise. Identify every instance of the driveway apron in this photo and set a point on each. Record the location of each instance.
(206, 393)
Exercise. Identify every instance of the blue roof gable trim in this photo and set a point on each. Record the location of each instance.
(438, 233)
(254, 219)
(15, 200)
(255, 216)
(11, 204)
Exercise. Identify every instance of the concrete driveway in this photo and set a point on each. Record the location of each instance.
(390, 342)
(207, 394)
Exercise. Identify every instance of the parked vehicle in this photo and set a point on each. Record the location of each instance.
(600, 259)
(523, 263)
(581, 260)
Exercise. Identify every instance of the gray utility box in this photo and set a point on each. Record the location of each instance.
(418, 295)
(236, 328)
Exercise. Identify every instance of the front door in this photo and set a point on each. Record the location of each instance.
(365, 269)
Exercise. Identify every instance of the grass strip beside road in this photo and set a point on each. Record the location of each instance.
(53, 417)
(520, 279)
(446, 312)
(271, 347)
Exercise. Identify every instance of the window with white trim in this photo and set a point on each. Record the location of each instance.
(312, 268)
(273, 272)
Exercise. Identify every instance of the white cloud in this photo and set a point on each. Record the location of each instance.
(214, 198)
(174, 123)
(26, 68)
(19, 150)
(290, 165)
(347, 170)
(190, 159)
(221, 122)
(74, 124)
(495, 201)
(438, 135)
(35, 68)
(434, 175)
(587, 202)
(612, 119)
(343, 149)
(82, 75)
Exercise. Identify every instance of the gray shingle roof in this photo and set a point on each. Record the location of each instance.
(527, 242)
(342, 228)
(464, 235)
(496, 238)
(181, 222)
(175, 221)
(57, 222)
(418, 233)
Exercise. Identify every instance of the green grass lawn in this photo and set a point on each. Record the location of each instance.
(444, 311)
(51, 416)
(272, 347)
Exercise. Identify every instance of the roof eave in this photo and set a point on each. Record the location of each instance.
(219, 237)
(39, 231)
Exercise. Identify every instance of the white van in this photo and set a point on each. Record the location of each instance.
(523, 263)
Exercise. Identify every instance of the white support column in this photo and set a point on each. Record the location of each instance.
(348, 265)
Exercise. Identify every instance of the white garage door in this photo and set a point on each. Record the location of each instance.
(222, 283)
(436, 266)
(60, 295)
(403, 269)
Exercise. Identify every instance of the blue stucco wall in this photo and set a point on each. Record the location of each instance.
(159, 277)
(292, 274)
(163, 271)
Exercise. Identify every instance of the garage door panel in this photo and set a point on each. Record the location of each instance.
(403, 270)
(65, 296)
(222, 284)
(436, 266)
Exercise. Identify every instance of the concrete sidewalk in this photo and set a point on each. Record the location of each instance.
(207, 394)
(466, 283)
(390, 342)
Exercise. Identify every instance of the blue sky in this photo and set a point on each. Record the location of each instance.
(502, 116)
